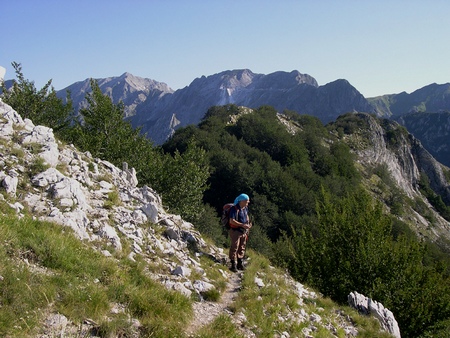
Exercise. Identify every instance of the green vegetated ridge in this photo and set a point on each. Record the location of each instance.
(313, 211)
(316, 215)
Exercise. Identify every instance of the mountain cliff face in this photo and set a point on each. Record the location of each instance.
(385, 143)
(424, 113)
(131, 90)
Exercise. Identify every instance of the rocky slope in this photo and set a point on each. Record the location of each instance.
(383, 142)
(72, 190)
(424, 113)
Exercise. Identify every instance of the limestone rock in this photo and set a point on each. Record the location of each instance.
(368, 306)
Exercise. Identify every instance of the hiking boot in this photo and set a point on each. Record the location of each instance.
(240, 264)
(233, 266)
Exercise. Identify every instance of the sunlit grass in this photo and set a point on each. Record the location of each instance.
(112, 200)
(222, 326)
(65, 275)
(274, 307)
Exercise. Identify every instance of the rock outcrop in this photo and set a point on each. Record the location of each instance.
(368, 306)
(132, 90)
(433, 131)
(385, 142)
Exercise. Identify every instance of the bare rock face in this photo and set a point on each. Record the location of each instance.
(2, 73)
(368, 306)
(432, 168)
(433, 131)
(131, 90)
(405, 156)
(385, 142)
(282, 90)
(400, 160)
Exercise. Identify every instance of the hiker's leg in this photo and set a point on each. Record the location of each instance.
(234, 236)
(241, 252)
(241, 246)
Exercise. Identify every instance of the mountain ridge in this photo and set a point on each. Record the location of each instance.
(131, 90)
(250, 90)
(155, 110)
(431, 98)
(160, 110)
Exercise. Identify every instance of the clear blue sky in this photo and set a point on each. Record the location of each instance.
(380, 47)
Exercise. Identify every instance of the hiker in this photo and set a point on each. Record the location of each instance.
(239, 229)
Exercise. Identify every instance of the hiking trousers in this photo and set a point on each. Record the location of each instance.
(238, 243)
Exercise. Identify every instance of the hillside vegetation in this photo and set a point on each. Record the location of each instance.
(315, 217)
(311, 209)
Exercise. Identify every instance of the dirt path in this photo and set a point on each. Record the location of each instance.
(205, 312)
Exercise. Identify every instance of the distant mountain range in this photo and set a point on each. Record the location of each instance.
(159, 110)
(425, 113)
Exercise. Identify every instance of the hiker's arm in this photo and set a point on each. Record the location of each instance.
(239, 224)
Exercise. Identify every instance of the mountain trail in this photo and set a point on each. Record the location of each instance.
(205, 311)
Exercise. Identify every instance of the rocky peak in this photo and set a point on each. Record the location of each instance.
(136, 83)
(282, 90)
(240, 78)
(285, 81)
(131, 90)
(228, 81)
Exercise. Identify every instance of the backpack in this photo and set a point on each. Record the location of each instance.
(225, 219)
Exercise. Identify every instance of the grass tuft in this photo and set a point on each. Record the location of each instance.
(45, 269)
(222, 326)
